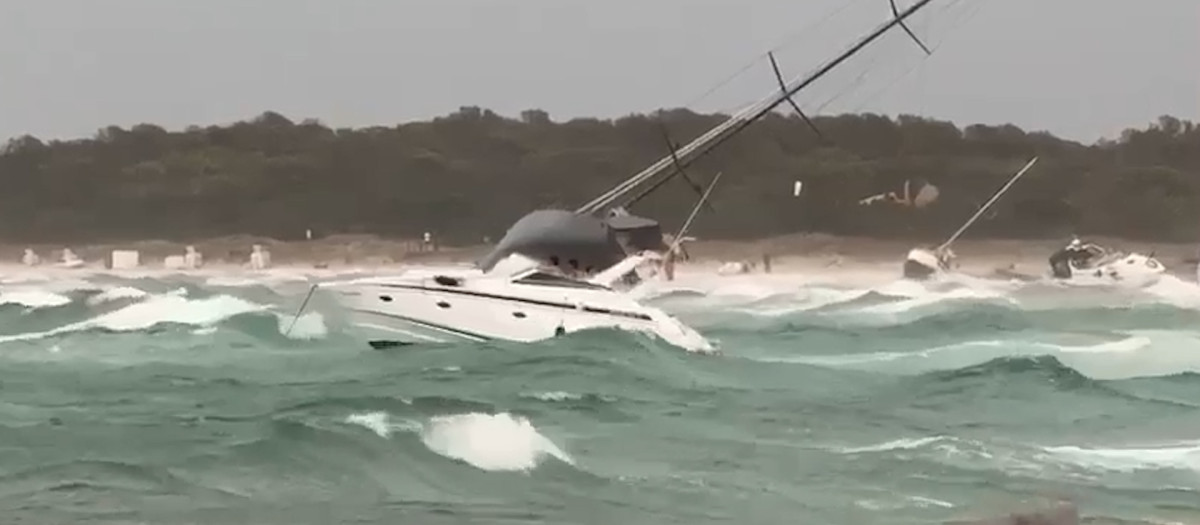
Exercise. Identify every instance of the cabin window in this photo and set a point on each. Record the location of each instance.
(549, 279)
(519, 315)
(443, 304)
(385, 298)
(447, 281)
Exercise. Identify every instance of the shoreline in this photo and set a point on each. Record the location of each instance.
(802, 251)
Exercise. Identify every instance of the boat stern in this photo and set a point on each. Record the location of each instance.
(1132, 270)
(920, 264)
(1137, 270)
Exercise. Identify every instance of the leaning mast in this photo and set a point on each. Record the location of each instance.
(705, 143)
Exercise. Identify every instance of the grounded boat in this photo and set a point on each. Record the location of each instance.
(519, 299)
(924, 263)
(547, 293)
(1090, 264)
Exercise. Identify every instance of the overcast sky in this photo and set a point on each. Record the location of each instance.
(1081, 69)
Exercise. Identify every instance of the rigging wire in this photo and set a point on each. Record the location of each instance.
(920, 64)
(860, 80)
(786, 41)
(746, 116)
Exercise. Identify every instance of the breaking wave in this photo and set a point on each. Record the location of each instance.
(895, 402)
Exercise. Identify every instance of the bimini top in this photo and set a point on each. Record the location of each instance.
(630, 222)
(562, 236)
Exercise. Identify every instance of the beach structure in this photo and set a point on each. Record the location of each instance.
(260, 257)
(190, 260)
(735, 268)
(173, 262)
(30, 258)
(124, 259)
(69, 259)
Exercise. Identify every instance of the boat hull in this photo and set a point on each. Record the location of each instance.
(404, 313)
(382, 329)
(1128, 270)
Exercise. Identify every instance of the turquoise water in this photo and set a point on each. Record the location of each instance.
(177, 399)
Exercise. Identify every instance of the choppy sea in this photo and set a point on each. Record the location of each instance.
(172, 399)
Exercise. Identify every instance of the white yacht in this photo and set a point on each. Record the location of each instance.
(526, 289)
(517, 300)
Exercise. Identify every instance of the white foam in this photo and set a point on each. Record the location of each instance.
(896, 444)
(493, 442)
(905, 501)
(381, 423)
(1176, 292)
(555, 396)
(1144, 353)
(171, 307)
(923, 297)
(117, 293)
(309, 326)
(1122, 346)
(1180, 455)
(33, 298)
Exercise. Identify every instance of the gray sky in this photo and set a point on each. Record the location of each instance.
(1081, 69)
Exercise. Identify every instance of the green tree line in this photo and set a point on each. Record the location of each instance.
(470, 174)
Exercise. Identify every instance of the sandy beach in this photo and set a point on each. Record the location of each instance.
(789, 253)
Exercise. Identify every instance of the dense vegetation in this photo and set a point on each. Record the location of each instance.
(472, 173)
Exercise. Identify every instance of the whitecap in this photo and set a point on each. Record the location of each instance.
(310, 325)
(555, 396)
(493, 442)
(1183, 455)
(381, 423)
(895, 444)
(34, 298)
(171, 307)
(117, 293)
